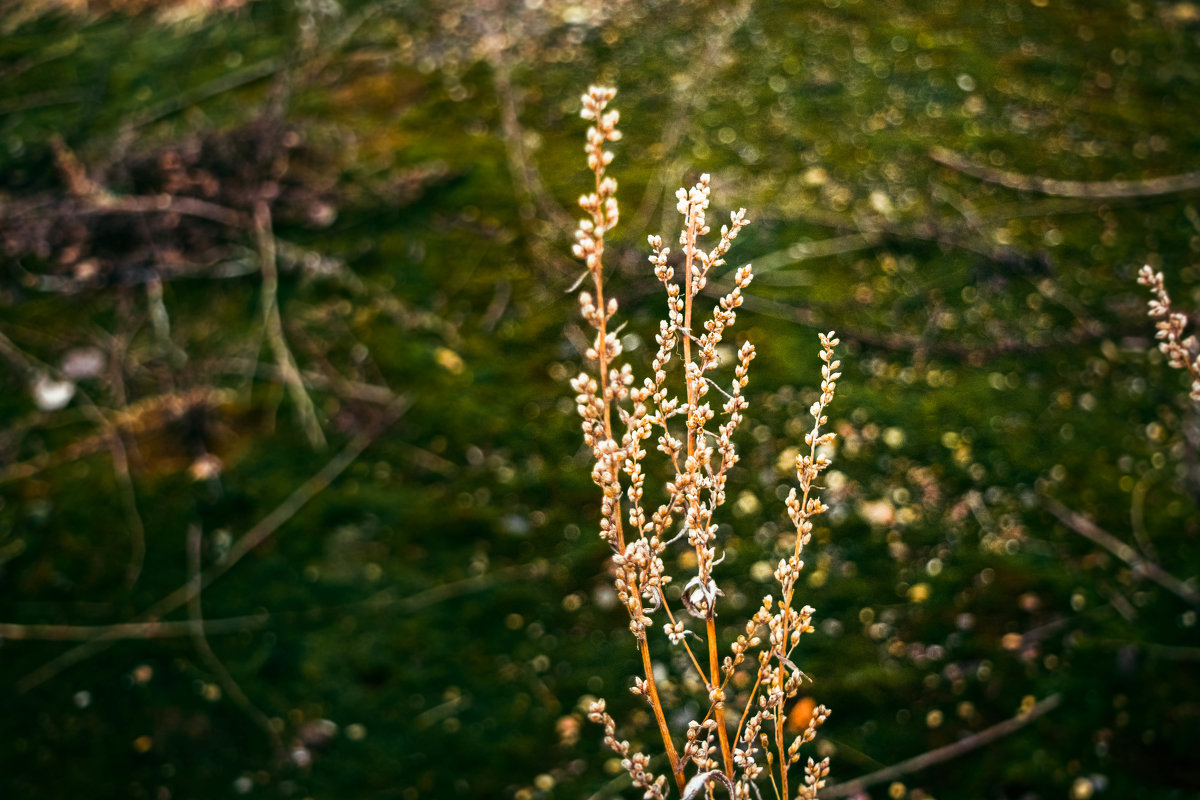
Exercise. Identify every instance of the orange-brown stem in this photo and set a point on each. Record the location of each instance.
(737, 734)
(715, 681)
(663, 599)
(783, 761)
(659, 717)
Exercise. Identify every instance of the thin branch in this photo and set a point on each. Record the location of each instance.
(897, 341)
(1145, 187)
(104, 203)
(111, 437)
(1119, 603)
(384, 600)
(797, 252)
(1169, 652)
(196, 617)
(451, 589)
(980, 511)
(720, 30)
(254, 537)
(534, 202)
(611, 788)
(16, 632)
(144, 415)
(137, 530)
(273, 325)
(316, 63)
(495, 310)
(1141, 566)
(36, 100)
(342, 387)
(528, 179)
(961, 747)
(227, 82)
(1137, 518)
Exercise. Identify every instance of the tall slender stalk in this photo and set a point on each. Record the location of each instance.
(618, 415)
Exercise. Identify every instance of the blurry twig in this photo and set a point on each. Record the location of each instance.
(188, 206)
(1140, 566)
(342, 387)
(38, 100)
(622, 782)
(153, 412)
(1146, 187)
(116, 447)
(140, 204)
(804, 251)
(318, 62)
(160, 319)
(1137, 518)
(534, 203)
(965, 745)
(155, 629)
(225, 83)
(384, 600)
(1169, 652)
(891, 339)
(1119, 603)
(528, 178)
(143, 415)
(719, 32)
(495, 310)
(196, 616)
(444, 591)
(273, 325)
(120, 461)
(1050, 290)
(980, 510)
(258, 534)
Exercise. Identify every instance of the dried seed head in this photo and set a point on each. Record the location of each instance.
(695, 431)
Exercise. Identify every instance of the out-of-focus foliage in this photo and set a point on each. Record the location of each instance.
(427, 624)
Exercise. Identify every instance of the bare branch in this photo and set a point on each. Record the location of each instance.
(961, 747)
(1141, 566)
(1146, 187)
(254, 537)
(13, 632)
(273, 325)
(196, 616)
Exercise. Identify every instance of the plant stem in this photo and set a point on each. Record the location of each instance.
(719, 706)
(689, 249)
(659, 717)
(601, 225)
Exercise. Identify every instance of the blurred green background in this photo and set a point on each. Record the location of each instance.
(294, 275)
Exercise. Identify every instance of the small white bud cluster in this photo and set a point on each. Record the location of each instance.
(633, 762)
(1182, 352)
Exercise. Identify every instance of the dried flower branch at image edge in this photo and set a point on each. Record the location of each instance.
(1182, 353)
(618, 415)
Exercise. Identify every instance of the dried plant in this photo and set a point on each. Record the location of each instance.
(619, 415)
(1182, 352)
